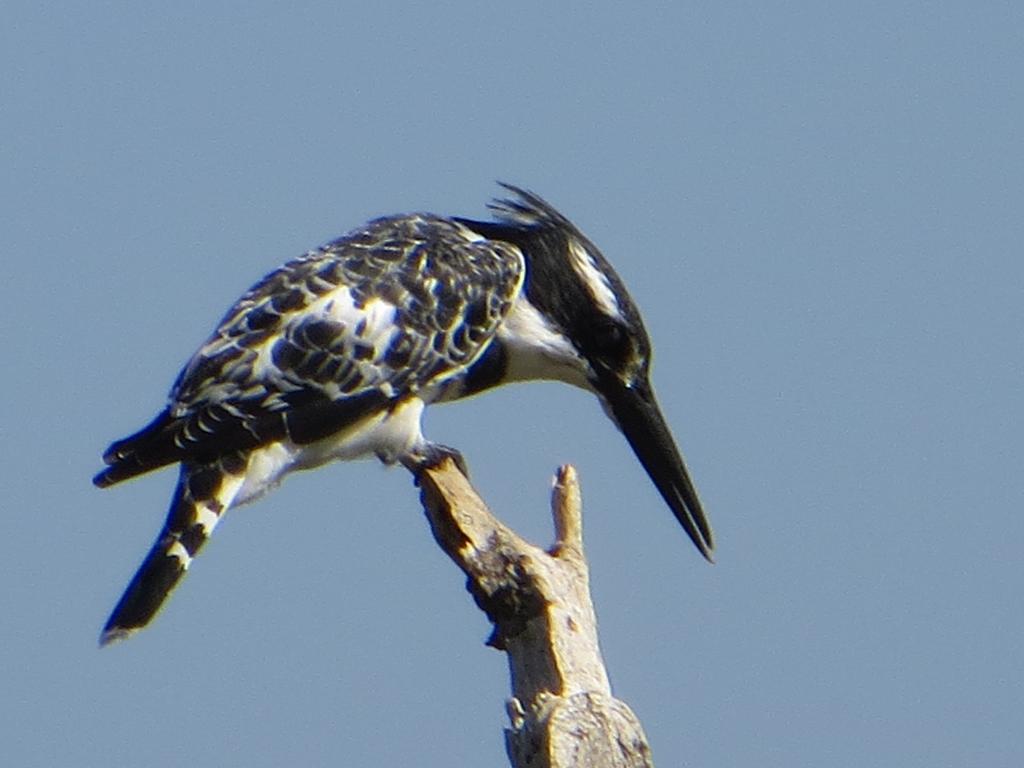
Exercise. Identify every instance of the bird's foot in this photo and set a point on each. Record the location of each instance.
(433, 455)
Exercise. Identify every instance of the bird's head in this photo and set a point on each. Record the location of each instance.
(578, 293)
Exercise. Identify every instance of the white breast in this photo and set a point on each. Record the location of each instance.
(389, 435)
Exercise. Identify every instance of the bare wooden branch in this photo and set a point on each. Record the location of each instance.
(562, 711)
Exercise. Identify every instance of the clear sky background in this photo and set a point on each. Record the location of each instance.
(816, 205)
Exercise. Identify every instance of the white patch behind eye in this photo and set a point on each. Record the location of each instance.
(594, 279)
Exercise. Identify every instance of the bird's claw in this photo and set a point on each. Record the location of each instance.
(432, 456)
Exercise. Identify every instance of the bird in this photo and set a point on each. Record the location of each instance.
(335, 354)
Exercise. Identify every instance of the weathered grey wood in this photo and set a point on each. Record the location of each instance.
(562, 711)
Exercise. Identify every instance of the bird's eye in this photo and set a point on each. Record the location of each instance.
(610, 338)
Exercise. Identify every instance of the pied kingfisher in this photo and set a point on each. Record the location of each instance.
(335, 354)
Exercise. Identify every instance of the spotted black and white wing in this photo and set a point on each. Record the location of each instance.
(397, 308)
(385, 316)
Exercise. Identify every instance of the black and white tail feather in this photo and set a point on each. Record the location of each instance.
(335, 355)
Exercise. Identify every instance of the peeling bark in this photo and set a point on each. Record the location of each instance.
(562, 712)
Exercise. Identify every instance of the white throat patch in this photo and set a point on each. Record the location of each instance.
(537, 350)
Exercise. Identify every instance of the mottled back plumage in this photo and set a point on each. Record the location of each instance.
(386, 311)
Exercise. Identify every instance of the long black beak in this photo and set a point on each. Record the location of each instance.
(636, 412)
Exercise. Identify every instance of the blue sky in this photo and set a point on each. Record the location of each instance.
(817, 207)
